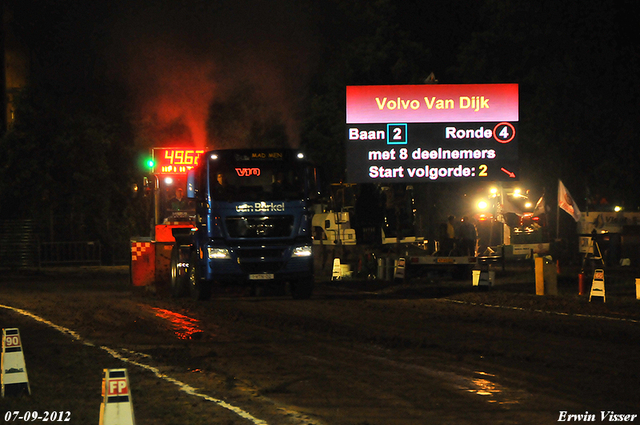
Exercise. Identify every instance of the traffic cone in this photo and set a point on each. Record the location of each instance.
(14, 370)
(116, 407)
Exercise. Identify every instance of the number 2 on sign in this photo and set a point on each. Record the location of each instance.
(396, 134)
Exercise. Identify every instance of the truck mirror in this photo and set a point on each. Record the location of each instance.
(141, 188)
(327, 224)
(192, 187)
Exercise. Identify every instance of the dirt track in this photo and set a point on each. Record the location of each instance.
(356, 353)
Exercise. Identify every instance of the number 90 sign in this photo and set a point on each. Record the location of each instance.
(12, 341)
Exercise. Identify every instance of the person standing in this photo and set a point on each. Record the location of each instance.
(450, 236)
(468, 236)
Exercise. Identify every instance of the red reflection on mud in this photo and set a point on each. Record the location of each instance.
(185, 327)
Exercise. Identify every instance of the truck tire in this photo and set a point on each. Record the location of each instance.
(179, 273)
(199, 289)
(301, 289)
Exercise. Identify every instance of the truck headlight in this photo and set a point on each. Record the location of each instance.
(218, 253)
(302, 251)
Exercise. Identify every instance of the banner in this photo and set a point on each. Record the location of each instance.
(432, 103)
(566, 202)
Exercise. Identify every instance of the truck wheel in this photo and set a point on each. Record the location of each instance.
(301, 289)
(199, 289)
(179, 272)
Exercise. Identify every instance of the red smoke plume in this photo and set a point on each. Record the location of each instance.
(172, 95)
(173, 50)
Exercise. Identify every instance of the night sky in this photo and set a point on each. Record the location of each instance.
(161, 64)
(172, 58)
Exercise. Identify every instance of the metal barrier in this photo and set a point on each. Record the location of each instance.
(70, 253)
(21, 247)
(18, 243)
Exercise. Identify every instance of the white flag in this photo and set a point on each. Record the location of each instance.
(566, 202)
(541, 207)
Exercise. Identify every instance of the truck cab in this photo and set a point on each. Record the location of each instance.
(253, 223)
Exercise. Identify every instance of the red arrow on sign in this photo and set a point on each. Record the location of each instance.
(509, 173)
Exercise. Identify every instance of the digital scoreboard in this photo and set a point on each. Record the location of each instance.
(175, 160)
(426, 133)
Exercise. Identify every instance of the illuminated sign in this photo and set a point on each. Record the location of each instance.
(242, 172)
(267, 155)
(261, 207)
(175, 160)
(425, 133)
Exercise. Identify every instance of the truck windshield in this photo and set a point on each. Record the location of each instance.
(265, 181)
(173, 203)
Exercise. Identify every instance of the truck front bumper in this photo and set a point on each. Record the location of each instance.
(251, 265)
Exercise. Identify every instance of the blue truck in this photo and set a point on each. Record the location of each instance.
(253, 214)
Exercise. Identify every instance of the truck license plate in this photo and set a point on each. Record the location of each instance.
(261, 276)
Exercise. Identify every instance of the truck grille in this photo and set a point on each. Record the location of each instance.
(272, 253)
(261, 267)
(254, 259)
(260, 227)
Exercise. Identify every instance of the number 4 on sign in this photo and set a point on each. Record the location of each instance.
(504, 132)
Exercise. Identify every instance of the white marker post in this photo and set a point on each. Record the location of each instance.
(14, 370)
(597, 287)
(337, 270)
(116, 407)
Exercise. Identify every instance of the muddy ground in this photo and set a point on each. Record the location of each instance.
(427, 351)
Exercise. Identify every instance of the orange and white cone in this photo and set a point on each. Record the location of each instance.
(116, 407)
(14, 371)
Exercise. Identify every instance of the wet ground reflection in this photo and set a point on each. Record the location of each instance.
(184, 327)
(483, 386)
